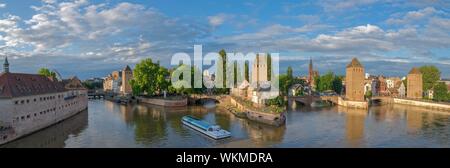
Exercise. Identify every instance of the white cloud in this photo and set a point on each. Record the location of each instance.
(218, 20)
(2, 5)
(56, 27)
(342, 5)
(414, 16)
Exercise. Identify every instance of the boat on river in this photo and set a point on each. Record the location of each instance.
(213, 131)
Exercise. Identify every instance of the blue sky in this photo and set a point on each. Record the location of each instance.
(90, 38)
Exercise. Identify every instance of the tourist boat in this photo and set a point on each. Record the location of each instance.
(213, 131)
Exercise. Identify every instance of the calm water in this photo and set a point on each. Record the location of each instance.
(107, 124)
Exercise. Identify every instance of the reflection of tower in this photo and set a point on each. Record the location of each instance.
(354, 125)
(414, 89)
(354, 84)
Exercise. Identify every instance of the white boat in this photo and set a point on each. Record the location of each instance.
(213, 131)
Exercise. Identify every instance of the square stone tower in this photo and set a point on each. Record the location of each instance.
(127, 75)
(415, 84)
(260, 70)
(354, 81)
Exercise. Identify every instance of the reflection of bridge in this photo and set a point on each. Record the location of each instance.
(202, 98)
(308, 100)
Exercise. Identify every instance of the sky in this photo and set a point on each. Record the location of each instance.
(91, 38)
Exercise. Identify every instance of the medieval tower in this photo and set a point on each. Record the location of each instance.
(260, 70)
(127, 75)
(354, 81)
(414, 88)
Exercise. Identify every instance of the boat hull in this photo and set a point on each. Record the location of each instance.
(216, 137)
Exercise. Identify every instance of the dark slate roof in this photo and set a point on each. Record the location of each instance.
(127, 68)
(18, 85)
(354, 63)
(415, 71)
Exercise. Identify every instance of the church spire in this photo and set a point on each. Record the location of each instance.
(6, 65)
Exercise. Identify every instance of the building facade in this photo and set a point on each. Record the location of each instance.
(32, 102)
(118, 82)
(354, 84)
(415, 84)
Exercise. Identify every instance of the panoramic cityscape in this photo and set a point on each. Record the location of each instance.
(309, 74)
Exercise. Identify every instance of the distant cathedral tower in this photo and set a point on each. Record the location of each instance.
(127, 75)
(354, 81)
(6, 66)
(414, 89)
(311, 73)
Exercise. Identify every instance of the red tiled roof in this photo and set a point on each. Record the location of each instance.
(18, 85)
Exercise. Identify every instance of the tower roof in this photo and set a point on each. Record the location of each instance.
(354, 63)
(6, 61)
(127, 68)
(415, 70)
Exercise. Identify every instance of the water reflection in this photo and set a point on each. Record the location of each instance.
(354, 125)
(115, 125)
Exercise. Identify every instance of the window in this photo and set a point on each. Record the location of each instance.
(16, 102)
(22, 102)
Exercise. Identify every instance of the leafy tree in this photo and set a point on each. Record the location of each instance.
(223, 57)
(246, 71)
(368, 94)
(431, 75)
(269, 67)
(46, 72)
(149, 77)
(337, 84)
(290, 73)
(440, 92)
(329, 81)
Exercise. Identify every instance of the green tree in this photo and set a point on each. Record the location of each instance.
(223, 56)
(269, 67)
(246, 71)
(337, 84)
(440, 92)
(368, 94)
(149, 77)
(290, 73)
(46, 72)
(329, 81)
(431, 75)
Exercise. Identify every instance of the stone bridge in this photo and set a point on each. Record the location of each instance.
(308, 100)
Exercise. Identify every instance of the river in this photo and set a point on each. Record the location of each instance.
(109, 125)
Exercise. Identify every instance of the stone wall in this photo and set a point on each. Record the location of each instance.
(32, 113)
(164, 102)
(353, 104)
(267, 118)
(431, 105)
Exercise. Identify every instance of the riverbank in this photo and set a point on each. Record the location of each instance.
(267, 115)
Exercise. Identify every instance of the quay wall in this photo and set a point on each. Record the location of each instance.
(164, 102)
(353, 104)
(267, 118)
(430, 105)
